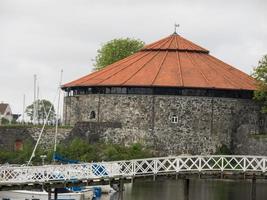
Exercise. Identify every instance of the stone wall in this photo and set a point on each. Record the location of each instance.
(204, 124)
(9, 136)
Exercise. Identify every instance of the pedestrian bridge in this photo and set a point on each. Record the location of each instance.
(129, 169)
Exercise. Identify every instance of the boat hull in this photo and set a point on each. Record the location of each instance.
(42, 195)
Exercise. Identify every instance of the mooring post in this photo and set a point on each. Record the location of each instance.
(253, 188)
(55, 194)
(49, 193)
(121, 188)
(132, 180)
(186, 189)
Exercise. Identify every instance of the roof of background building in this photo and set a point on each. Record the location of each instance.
(3, 107)
(169, 62)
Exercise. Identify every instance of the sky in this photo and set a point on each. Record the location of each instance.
(42, 37)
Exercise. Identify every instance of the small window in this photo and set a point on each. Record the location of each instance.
(92, 115)
(174, 119)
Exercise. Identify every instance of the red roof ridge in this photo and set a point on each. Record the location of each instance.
(231, 69)
(186, 45)
(160, 65)
(200, 71)
(216, 71)
(142, 66)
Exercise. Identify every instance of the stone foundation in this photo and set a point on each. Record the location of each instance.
(202, 124)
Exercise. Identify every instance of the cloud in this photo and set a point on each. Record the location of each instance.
(41, 37)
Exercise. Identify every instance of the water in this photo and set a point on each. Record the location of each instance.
(198, 190)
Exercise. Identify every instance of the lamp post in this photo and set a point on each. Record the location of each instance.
(43, 157)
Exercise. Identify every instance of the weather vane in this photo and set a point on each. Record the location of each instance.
(175, 27)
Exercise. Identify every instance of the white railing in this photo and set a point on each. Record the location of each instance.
(129, 168)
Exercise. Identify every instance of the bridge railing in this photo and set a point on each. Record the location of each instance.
(131, 168)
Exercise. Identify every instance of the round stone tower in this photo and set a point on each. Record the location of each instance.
(172, 96)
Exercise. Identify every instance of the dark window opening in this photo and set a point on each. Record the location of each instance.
(92, 115)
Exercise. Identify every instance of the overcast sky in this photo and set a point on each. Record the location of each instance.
(43, 36)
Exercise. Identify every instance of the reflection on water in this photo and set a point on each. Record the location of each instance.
(198, 190)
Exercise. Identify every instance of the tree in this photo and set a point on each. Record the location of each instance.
(260, 74)
(43, 107)
(115, 50)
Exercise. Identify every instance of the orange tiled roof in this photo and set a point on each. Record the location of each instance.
(170, 62)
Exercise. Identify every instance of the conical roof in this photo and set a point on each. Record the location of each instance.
(170, 62)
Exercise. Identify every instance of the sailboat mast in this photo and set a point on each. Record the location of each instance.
(34, 98)
(58, 113)
(23, 109)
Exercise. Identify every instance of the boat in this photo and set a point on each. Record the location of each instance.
(84, 193)
(43, 195)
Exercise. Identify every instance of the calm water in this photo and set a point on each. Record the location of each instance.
(198, 190)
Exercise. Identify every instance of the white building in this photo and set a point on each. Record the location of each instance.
(5, 112)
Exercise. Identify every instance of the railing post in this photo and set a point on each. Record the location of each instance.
(155, 169)
(222, 166)
(177, 164)
(133, 168)
(264, 165)
(244, 164)
(199, 164)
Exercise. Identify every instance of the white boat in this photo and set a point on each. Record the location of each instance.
(87, 193)
(42, 195)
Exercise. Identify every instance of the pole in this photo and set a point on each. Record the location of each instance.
(186, 189)
(37, 105)
(253, 188)
(57, 114)
(34, 98)
(23, 109)
(121, 188)
(55, 194)
(49, 193)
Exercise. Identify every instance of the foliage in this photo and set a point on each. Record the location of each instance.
(223, 150)
(4, 121)
(16, 157)
(43, 107)
(78, 149)
(115, 50)
(260, 74)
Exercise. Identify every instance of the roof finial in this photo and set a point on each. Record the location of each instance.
(175, 27)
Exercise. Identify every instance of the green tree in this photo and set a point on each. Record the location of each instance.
(43, 107)
(115, 50)
(260, 74)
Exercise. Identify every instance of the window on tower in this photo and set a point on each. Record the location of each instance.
(174, 119)
(92, 115)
